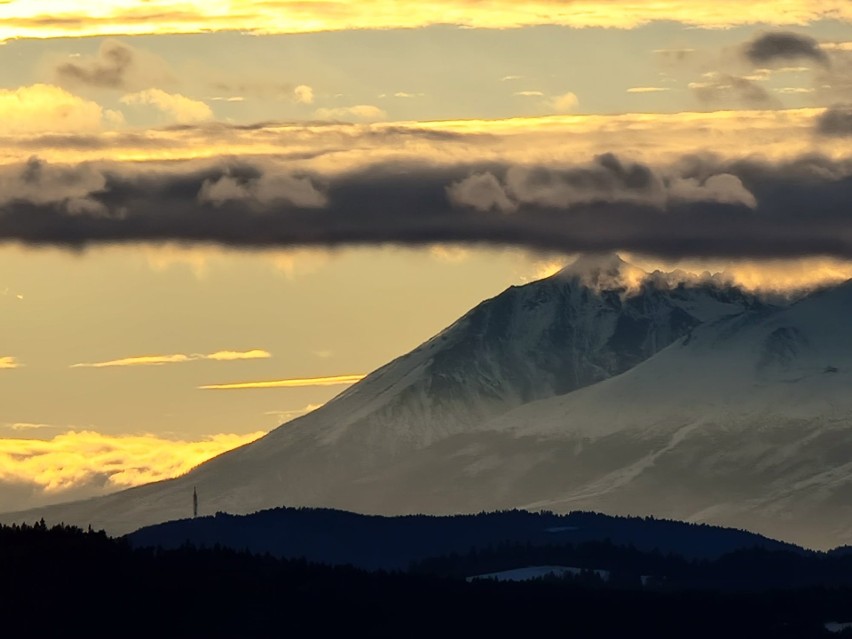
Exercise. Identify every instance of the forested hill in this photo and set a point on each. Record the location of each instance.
(63, 581)
(373, 542)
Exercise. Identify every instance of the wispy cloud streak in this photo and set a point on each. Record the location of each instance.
(176, 358)
(298, 382)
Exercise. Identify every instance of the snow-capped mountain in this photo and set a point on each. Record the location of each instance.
(574, 391)
(588, 322)
(747, 422)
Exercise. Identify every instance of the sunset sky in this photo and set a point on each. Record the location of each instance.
(214, 216)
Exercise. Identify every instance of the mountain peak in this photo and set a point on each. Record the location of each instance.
(606, 271)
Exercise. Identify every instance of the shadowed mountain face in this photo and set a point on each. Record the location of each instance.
(428, 432)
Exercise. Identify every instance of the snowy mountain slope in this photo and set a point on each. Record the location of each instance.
(389, 443)
(747, 422)
(530, 342)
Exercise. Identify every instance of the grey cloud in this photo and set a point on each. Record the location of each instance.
(40, 183)
(724, 87)
(834, 84)
(783, 46)
(116, 66)
(676, 56)
(263, 190)
(108, 70)
(606, 180)
(836, 121)
(700, 207)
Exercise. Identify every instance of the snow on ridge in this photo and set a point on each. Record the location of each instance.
(529, 573)
(603, 272)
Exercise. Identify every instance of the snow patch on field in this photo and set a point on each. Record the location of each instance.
(538, 572)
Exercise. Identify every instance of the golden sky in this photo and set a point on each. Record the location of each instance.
(192, 203)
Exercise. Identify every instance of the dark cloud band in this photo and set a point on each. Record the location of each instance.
(836, 121)
(699, 208)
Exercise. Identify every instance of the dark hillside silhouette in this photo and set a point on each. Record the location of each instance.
(63, 581)
(370, 541)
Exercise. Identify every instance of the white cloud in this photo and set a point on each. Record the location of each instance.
(565, 103)
(724, 188)
(481, 191)
(561, 189)
(303, 94)
(180, 108)
(297, 190)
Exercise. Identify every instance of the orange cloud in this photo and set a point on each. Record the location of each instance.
(774, 276)
(331, 148)
(59, 18)
(8, 362)
(101, 463)
(43, 108)
(177, 358)
(288, 383)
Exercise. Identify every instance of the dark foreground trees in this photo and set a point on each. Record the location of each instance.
(66, 582)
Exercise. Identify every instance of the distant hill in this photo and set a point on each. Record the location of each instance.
(377, 542)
